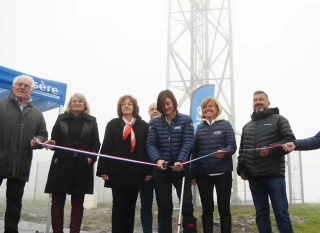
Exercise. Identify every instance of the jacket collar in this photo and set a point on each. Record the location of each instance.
(14, 98)
(219, 118)
(264, 114)
(173, 119)
(68, 115)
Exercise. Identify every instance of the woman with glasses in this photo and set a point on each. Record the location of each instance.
(214, 135)
(125, 137)
(72, 172)
(170, 141)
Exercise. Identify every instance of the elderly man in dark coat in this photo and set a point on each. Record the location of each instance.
(22, 127)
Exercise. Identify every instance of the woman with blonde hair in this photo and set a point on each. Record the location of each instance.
(72, 172)
(214, 135)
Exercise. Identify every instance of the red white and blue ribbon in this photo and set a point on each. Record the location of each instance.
(97, 154)
(148, 163)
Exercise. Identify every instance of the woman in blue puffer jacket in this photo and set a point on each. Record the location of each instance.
(169, 143)
(214, 136)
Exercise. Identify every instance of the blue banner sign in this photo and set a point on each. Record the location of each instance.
(47, 94)
(198, 96)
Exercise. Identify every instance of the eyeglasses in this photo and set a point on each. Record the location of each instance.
(77, 101)
(26, 86)
(128, 104)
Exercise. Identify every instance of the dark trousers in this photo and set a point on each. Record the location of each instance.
(123, 209)
(223, 184)
(164, 181)
(14, 194)
(146, 200)
(57, 212)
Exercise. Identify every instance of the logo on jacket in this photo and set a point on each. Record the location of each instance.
(217, 132)
(177, 127)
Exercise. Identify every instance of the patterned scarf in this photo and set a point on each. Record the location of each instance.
(127, 130)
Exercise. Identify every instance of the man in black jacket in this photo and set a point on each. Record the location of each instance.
(22, 127)
(261, 161)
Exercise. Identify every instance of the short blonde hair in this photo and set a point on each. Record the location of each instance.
(215, 103)
(85, 102)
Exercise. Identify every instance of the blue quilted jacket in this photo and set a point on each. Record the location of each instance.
(311, 143)
(170, 142)
(209, 139)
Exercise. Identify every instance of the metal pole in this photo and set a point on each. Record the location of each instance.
(289, 179)
(301, 177)
(48, 214)
(169, 45)
(233, 111)
(206, 41)
(35, 184)
(245, 192)
(181, 203)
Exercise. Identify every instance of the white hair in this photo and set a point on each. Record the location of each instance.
(24, 76)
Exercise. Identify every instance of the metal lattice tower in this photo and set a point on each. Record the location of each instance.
(200, 52)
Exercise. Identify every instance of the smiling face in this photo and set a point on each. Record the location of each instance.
(22, 89)
(167, 107)
(77, 105)
(260, 102)
(209, 111)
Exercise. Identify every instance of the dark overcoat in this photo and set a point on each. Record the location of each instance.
(124, 174)
(17, 129)
(69, 171)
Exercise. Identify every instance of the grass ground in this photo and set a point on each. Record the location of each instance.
(305, 217)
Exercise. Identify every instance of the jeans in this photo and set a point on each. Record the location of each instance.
(146, 199)
(275, 188)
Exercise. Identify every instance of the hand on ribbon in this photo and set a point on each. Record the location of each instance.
(35, 142)
(178, 167)
(289, 146)
(219, 154)
(51, 142)
(162, 164)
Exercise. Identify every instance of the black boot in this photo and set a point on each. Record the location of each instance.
(207, 224)
(189, 225)
(225, 224)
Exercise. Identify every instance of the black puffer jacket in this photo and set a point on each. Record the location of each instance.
(265, 129)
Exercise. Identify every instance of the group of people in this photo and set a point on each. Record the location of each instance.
(168, 141)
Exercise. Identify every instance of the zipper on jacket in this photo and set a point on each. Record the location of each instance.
(83, 130)
(255, 145)
(170, 141)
